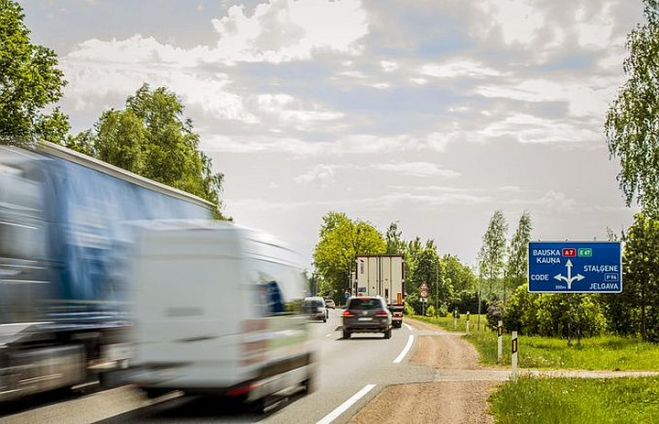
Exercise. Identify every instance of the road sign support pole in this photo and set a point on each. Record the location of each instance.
(499, 342)
(514, 352)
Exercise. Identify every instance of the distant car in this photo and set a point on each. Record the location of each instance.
(316, 309)
(366, 314)
(330, 303)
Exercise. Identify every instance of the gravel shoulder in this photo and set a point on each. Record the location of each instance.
(463, 400)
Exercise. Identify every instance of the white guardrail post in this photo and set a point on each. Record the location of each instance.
(499, 342)
(515, 348)
(467, 324)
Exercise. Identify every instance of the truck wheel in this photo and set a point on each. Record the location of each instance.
(346, 334)
(153, 393)
(387, 334)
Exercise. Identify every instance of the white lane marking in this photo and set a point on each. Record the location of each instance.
(410, 341)
(409, 327)
(346, 405)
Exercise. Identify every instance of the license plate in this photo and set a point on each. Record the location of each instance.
(366, 319)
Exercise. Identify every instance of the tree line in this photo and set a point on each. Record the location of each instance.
(341, 239)
(150, 136)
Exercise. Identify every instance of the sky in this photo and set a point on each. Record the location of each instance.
(432, 113)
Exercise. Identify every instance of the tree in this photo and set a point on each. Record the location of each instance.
(395, 244)
(150, 137)
(493, 253)
(341, 241)
(29, 82)
(632, 123)
(641, 275)
(461, 276)
(517, 267)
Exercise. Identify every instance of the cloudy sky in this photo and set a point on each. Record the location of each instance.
(433, 113)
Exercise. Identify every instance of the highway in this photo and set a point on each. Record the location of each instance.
(350, 374)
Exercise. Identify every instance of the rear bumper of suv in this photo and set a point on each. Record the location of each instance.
(377, 325)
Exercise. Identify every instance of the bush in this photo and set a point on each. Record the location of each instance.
(494, 313)
(442, 311)
(559, 315)
(409, 310)
(467, 301)
(430, 312)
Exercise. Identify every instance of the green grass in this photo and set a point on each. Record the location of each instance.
(583, 401)
(448, 324)
(611, 353)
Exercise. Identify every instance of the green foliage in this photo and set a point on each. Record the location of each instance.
(341, 240)
(409, 310)
(150, 137)
(638, 305)
(578, 401)
(492, 255)
(517, 267)
(633, 118)
(467, 301)
(395, 244)
(431, 311)
(29, 82)
(460, 276)
(563, 315)
(424, 266)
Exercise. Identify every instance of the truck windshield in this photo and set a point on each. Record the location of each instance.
(365, 304)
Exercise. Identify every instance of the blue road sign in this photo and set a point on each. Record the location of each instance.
(575, 267)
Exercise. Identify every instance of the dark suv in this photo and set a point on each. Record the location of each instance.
(366, 315)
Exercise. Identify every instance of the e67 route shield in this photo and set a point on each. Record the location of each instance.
(575, 267)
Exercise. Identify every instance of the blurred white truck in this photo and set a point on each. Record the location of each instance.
(218, 310)
(384, 276)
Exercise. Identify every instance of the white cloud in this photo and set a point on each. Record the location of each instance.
(320, 173)
(286, 30)
(419, 81)
(459, 68)
(594, 29)
(519, 20)
(586, 97)
(381, 85)
(389, 66)
(417, 169)
(289, 110)
(532, 129)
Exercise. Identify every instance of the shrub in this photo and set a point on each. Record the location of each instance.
(494, 313)
(442, 311)
(409, 310)
(431, 311)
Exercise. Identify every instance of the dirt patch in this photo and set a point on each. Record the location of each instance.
(444, 350)
(463, 399)
(449, 402)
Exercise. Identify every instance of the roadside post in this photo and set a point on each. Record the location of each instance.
(499, 342)
(467, 324)
(455, 319)
(515, 348)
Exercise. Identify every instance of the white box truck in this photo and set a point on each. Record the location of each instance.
(383, 275)
(218, 310)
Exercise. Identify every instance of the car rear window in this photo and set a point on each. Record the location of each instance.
(365, 304)
(314, 303)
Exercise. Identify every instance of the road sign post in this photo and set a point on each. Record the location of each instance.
(499, 341)
(575, 267)
(515, 348)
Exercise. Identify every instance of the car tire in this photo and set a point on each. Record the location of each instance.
(387, 334)
(346, 334)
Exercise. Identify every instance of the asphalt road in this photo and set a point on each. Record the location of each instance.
(350, 373)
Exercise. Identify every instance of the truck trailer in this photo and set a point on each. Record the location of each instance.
(384, 276)
(63, 243)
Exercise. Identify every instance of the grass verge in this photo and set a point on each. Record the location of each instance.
(610, 353)
(583, 401)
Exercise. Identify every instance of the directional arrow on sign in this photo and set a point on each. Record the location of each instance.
(569, 279)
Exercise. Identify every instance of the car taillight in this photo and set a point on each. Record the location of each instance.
(381, 314)
(348, 314)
